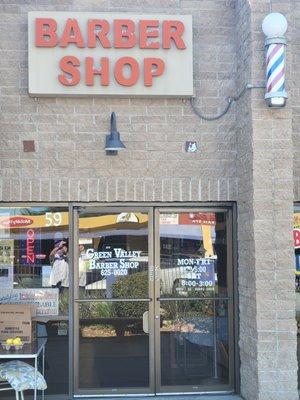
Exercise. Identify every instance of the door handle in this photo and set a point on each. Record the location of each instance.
(157, 273)
(146, 322)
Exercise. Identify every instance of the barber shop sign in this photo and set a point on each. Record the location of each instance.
(109, 54)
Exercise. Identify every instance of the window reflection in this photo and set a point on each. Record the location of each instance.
(113, 345)
(194, 342)
(34, 269)
(194, 333)
(34, 256)
(113, 257)
(193, 254)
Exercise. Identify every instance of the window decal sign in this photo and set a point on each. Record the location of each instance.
(116, 262)
(109, 54)
(197, 274)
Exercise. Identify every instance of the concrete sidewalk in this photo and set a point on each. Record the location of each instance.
(188, 397)
(167, 397)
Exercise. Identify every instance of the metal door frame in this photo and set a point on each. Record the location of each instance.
(182, 389)
(76, 301)
(153, 208)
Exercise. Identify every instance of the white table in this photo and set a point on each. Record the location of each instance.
(30, 350)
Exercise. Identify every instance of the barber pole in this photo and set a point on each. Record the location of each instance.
(275, 69)
(274, 27)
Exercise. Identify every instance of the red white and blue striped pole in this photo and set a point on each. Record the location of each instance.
(274, 27)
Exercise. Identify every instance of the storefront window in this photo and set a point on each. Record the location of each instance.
(34, 269)
(152, 296)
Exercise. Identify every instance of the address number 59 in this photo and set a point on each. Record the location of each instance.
(53, 219)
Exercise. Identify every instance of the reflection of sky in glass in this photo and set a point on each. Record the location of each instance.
(184, 231)
(6, 211)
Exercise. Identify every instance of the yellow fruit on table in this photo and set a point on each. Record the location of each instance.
(9, 341)
(17, 341)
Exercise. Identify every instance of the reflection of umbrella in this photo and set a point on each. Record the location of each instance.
(127, 217)
(107, 221)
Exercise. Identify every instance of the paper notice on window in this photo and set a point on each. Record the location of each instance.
(169, 219)
(6, 276)
(45, 300)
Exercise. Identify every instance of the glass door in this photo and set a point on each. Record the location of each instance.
(113, 301)
(193, 301)
(153, 300)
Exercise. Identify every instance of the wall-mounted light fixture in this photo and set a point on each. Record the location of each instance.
(113, 142)
(274, 27)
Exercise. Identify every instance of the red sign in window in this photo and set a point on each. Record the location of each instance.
(15, 222)
(197, 219)
(296, 234)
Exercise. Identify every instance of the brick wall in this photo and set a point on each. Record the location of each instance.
(266, 260)
(70, 161)
(246, 258)
(294, 92)
(246, 156)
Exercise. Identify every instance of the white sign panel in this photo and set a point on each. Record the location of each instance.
(6, 276)
(45, 300)
(169, 219)
(107, 54)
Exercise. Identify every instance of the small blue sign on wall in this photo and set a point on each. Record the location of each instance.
(191, 147)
